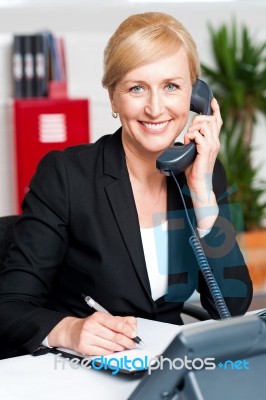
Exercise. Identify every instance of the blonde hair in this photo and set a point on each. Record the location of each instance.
(146, 38)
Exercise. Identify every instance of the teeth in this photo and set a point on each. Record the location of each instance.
(155, 127)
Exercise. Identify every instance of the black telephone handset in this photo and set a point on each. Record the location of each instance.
(178, 158)
(175, 160)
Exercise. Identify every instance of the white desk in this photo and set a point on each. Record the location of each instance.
(42, 378)
(38, 378)
(35, 378)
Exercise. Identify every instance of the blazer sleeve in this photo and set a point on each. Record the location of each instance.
(224, 257)
(32, 262)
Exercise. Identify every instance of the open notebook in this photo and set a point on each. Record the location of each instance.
(156, 337)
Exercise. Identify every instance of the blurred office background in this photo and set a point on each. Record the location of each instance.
(86, 26)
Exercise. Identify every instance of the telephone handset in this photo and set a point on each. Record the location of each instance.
(172, 162)
(178, 158)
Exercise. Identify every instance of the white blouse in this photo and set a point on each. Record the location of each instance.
(155, 246)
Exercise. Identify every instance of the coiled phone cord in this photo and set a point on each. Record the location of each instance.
(205, 268)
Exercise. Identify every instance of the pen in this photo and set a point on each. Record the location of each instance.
(96, 306)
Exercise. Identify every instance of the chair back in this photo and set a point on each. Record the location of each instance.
(7, 224)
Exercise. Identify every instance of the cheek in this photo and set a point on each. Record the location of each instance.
(180, 105)
(125, 112)
(129, 109)
(181, 111)
(185, 107)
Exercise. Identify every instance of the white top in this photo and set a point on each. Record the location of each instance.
(155, 246)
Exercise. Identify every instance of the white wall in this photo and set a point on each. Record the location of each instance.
(86, 28)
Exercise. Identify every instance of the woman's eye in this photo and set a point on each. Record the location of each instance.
(171, 87)
(137, 89)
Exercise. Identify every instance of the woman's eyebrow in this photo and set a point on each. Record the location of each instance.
(138, 81)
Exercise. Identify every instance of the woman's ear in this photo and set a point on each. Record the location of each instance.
(111, 97)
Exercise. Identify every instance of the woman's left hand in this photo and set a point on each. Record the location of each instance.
(204, 130)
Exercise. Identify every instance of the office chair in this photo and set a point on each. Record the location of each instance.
(195, 312)
(6, 228)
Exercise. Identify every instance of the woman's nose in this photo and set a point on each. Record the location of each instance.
(154, 106)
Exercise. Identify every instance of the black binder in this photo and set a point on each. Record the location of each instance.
(17, 66)
(41, 68)
(28, 64)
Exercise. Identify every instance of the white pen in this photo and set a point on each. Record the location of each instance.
(96, 306)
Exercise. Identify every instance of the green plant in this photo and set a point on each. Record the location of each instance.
(238, 80)
(242, 176)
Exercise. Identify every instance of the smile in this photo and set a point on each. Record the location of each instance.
(155, 127)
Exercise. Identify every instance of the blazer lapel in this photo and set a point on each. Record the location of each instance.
(121, 199)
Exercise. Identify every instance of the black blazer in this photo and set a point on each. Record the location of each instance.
(79, 233)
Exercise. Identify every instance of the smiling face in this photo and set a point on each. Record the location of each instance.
(153, 103)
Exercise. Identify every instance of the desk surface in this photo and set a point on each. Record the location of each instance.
(50, 376)
(41, 378)
(33, 378)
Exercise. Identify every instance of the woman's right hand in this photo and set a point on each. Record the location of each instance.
(98, 334)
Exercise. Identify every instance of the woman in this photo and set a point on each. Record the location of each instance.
(91, 208)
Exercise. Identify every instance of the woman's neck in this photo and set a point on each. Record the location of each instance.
(142, 166)
(149, 187)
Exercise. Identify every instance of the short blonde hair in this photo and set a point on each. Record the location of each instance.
(146, 38)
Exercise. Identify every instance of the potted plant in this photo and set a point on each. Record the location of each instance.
(238, 80)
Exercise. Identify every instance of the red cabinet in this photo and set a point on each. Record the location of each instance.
(42, 125)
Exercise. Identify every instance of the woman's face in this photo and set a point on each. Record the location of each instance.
(153, 103)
